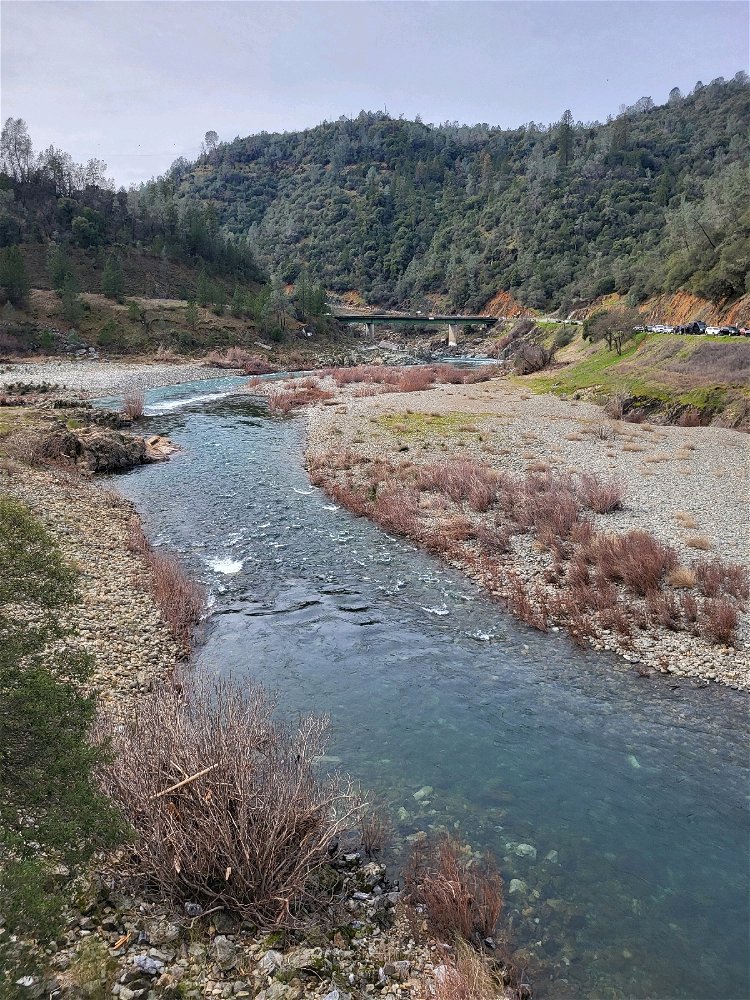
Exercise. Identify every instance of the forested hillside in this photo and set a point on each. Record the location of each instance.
(157, 245)
(652, 201)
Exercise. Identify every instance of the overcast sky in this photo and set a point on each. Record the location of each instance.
(138, 84)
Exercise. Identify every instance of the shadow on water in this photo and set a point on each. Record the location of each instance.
(617, 806)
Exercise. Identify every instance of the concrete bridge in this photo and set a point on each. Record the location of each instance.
(423, 319)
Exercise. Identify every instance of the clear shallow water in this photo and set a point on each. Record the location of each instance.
(639, 786)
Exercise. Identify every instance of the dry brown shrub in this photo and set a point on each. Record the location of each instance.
(461, 479)
(494, 541)
(632, 446)
(179, 597)
(715, 577)
(280, 401)
(719, 620)
(395, 509)
(682, 578)
(469, 975)
(615, 405)
(664, 609)
(689, 607)
(224, 798)
(239, 357)
(462, 897)
(133, 404)
(416, 380)
(699, 542)
(635, 558)
(601, 496)
(375, 828)
(686, 520)
(458, 528)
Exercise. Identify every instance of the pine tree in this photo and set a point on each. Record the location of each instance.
(565, 139)
(13, 278)
(113, 282)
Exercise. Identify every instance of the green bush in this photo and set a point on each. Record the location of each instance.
(52, 815)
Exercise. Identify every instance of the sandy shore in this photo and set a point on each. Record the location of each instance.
(686, 486)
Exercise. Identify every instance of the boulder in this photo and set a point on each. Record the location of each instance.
(110, 451)
(225, 953)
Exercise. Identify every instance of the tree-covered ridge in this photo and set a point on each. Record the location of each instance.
(653, 200)
(47, 198)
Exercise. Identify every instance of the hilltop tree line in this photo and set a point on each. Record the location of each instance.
(655, 199)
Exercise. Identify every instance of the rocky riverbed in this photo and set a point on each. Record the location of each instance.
(124, 945)
(104, 378)
(686, 486)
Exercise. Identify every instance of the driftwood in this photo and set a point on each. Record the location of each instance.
(185, 781)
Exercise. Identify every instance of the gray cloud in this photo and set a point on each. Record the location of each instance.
(137, 84)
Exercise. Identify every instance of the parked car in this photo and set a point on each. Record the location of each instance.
(729, 331)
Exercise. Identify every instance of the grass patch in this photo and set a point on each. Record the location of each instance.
(419, 424)
(708, 374)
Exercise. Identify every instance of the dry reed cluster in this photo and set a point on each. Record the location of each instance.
(597, 580)
(179, 597)
(133, 404)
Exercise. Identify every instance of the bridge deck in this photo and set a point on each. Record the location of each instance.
(409, 318)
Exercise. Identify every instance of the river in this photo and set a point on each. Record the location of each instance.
(618, 803)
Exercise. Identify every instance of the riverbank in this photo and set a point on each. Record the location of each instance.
(105, 378)
(115, 944)
(685, 486)
(116, 619)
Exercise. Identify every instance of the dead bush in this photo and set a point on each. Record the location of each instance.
(635, 558)
(179, 597)
(715, 577)
(462, 897)
(699, 542)
(690, 417)
(375, 828)
(664, 609)
(532, 357)
(601, 496)
(614, 406)
(239, 357)
(395, 508)
(133, 404)
(689, 608)
(682, 578)
(467, 975)
(224, 798)
(461, 480)
(719, 620)
(280, 401)
(416, 380)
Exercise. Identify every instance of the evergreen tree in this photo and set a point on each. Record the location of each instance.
(113, 282)
(565, 139)
(58, 267)
(204, 292)
(13, 278)
(238, 305)
(191, 314)
(71, 303)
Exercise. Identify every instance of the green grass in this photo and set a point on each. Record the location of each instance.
(643, 371)
(418, 424)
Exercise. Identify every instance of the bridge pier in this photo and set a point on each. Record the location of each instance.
(451, 335)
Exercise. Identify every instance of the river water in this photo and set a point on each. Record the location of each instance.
(619, 803)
